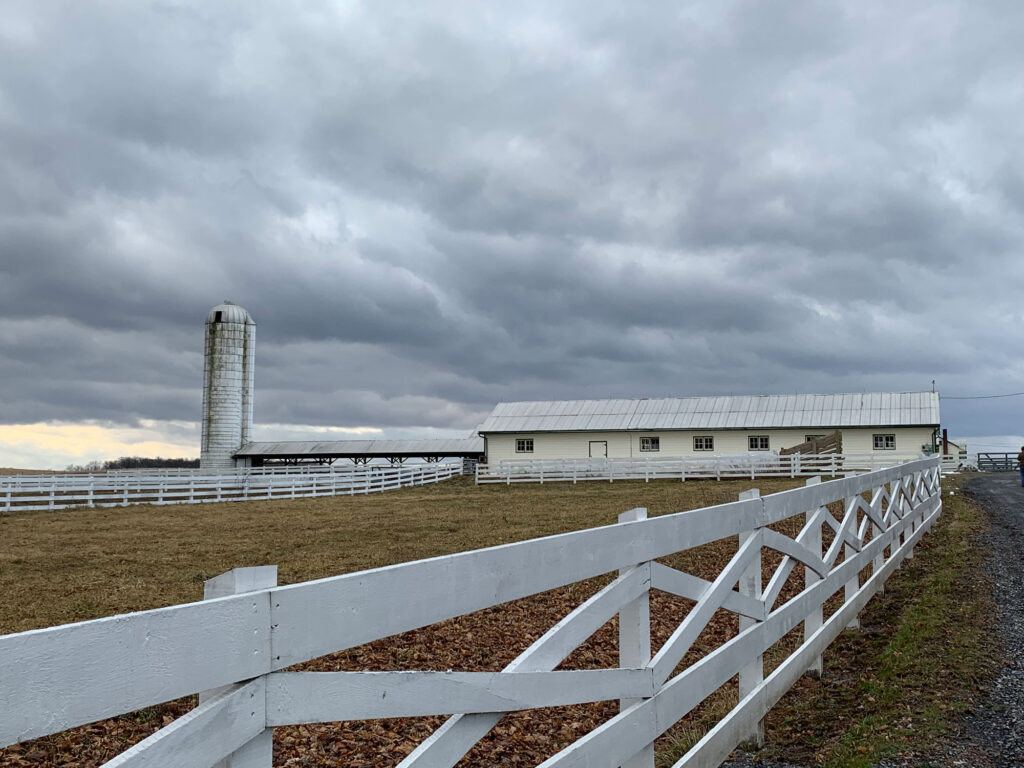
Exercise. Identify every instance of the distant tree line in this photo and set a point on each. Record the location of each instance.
(135, 462)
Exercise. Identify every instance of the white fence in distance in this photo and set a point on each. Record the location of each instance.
(718, 467)
(67, 676)
(50, 492)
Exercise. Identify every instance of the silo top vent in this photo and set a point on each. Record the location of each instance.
(229, 313)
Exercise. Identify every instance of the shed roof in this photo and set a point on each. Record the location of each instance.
(363, 448)
(870, 409)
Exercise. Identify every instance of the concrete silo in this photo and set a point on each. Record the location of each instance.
(227, 385)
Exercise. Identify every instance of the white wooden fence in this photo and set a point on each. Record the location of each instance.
(50, 492)
(62, 677)
(744, 465)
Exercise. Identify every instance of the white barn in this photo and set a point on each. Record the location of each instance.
(894, 423)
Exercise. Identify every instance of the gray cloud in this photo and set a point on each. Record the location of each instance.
(431, 209)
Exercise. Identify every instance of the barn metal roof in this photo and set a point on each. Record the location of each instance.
(363, 448)
(870, 409)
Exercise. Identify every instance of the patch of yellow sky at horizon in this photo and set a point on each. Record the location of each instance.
(55, 445)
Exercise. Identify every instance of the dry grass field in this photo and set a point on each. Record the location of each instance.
(72, 565)
(79, 564)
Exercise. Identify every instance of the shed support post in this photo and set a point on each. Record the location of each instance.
(635, 643)
(259, 751)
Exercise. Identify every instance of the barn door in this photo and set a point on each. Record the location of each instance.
(599, 449)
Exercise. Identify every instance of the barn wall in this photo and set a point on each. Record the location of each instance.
(576, 445)
(908, 439)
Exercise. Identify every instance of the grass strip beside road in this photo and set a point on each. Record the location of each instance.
(898, 687)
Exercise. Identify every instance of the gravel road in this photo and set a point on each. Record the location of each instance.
(993, 736)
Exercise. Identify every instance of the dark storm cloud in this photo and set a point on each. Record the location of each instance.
(429, 209)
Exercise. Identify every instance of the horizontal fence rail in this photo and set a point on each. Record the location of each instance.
(51, 492)
(235, 646)
(744, 465)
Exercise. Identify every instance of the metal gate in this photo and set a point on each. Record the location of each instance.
(997, 462)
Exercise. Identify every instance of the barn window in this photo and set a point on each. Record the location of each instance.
(884, 442)
(704, 443)
(524, 445)
(652, 444)
(808, 438)
(757, 443)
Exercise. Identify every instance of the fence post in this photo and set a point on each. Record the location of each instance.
(905, 485)
(635, 643)
(876, 531)
(814, 619)
(752, 674)
(853, 585)
(259, 752)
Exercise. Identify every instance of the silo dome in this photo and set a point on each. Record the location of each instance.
(229, 313)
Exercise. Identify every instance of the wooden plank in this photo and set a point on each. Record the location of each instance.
(683, 638)
(795, 550)
(622, 735)
(779, 506)
(205, 735)
(683, 584)
(295, 698)
(752, 673)
(635, 646)
(320, 617)
(726, 734)
(60, 677)
(811, 532)
(259, 752)
(239, 580)
(447, 745)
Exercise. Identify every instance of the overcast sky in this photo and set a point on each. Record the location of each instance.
(432, 207)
